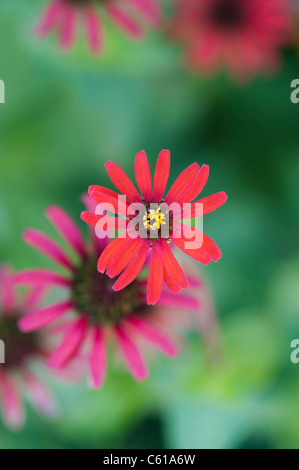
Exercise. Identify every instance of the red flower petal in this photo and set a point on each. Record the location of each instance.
(181, 183)
(45, 245)
(98, 243)
(104, 222)
(143, 176)
(171, 265)
(211, 247)
(207, 243)
(161, 175)
(134, 268)
(101, 189)
(156, 275)
(123, 183)
(121, 262)
(172, 286)
(210, 204)
(90, 218)
(196, 186)
(117, 205)
(199, 254)
(114, 249)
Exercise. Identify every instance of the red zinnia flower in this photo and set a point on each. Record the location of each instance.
(97, 313)
(63, 15)
(20, 352)
(243, 35)
(125, 255)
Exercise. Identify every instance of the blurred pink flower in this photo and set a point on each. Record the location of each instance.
(98, 315)
(127, 15)
(21, 352)
(243, 35)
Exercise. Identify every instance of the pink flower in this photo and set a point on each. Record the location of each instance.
(21, 352)
(98, 315)
(127, 15)
(243, 35)
(126, 255)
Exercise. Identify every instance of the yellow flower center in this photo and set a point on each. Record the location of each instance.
(153, 219)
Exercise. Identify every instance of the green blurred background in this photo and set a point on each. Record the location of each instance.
(64, 117)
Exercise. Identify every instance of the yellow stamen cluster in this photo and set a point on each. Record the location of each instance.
(153, 219)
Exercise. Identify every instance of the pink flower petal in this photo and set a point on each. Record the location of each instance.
(134, 268)
(39, 395)
(156, 275)
(68, 29)
(161, 175)
(94, 30)
(194, 281)
(70, 345)
(33, 297)
(45, 245)
(149, 8)
(171, 265)
(7, 295)
(67, 229)
(119, 263)
(132, 356)
(41, 277)
(44, 316)
(97, 359)
(123, 183)
(12, 404)
(154, 335)
(183, 181)
(179, 301)
(143, 176)
(122, 20)
(50, 17)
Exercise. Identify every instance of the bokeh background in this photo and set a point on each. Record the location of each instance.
(65, 116)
